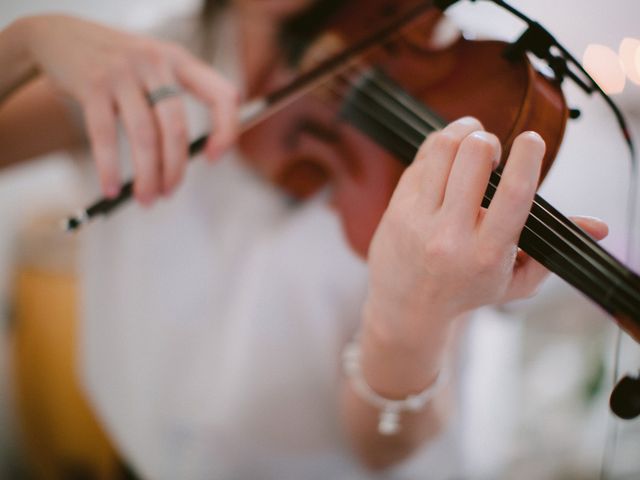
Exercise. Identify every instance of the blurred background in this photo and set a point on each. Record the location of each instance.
(539, 372)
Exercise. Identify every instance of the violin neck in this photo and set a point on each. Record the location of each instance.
(566, 250)
(397, 122)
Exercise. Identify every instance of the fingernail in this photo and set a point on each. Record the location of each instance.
(535, 137)
(482, 135)
(533, 134)
(589, 217)
(485, 137)
(492, 139)
(535, 141)
(468, 120)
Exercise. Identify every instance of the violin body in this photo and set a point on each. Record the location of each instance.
(310, 144)
(468, 77)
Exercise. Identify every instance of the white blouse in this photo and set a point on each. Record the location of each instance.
(213, 325)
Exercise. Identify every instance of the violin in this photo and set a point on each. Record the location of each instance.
(375, 101)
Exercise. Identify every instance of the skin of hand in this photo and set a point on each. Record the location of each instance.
(437, 253)
(109, 72)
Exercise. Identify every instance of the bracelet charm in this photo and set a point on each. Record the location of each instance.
(389, 423)
(390, 410)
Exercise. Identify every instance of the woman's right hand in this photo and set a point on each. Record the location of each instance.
(110, 73)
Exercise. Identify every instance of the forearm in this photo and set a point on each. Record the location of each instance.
(35, 118)
(395, 366)
(16, 63)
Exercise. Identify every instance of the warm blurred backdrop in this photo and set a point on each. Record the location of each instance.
(539, 372)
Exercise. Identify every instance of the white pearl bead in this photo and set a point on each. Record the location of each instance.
(389, 423)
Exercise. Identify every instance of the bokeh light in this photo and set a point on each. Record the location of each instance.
(629, 52)
(604, 65)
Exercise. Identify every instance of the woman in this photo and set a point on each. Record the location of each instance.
(214, 322)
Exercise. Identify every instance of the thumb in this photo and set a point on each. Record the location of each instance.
(595, 227)
(528, 274)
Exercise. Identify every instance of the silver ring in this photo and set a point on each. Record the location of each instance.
(160, 93)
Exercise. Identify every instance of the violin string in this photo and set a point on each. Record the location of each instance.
(590, 243)
(536, 208)
(437, 123)
(393, 110)
(401, 105)
(409, 132)
(377, 81)
(403, 133)
(406, 101)
(357, 67)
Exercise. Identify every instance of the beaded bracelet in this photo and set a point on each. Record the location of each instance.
(390, 410)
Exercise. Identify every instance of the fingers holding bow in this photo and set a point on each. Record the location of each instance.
(150, 104)
(118, 77)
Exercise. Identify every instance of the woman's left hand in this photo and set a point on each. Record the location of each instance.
(437, 253)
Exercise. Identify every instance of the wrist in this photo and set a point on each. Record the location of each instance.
(405, 323)
(16, 57)
(390, 409)
(398, 360)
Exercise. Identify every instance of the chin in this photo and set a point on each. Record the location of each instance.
(359, 245)
(357, 233)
